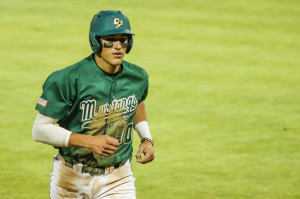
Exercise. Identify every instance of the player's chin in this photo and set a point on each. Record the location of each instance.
(115, 61)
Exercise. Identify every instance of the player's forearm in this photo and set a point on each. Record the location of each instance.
(44, 130)
(140, 122)
(140, 114)
(79, 140)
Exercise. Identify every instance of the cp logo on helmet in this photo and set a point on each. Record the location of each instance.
(101, 25)
(118, 22)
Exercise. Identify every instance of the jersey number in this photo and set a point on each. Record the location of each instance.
(126, 136)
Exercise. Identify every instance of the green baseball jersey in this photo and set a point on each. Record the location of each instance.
(89, 101)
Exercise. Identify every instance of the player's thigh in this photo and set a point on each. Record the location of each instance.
(118, 184)
(66, 183)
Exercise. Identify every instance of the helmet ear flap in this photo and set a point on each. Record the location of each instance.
(99, 44)
(95, 44)
(130, 43)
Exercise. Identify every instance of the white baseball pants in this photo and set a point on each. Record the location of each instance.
(67, 183)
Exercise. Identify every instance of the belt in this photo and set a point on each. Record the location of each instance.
(80, 168)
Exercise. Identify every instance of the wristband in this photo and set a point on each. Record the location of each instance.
(142, 129)
(148, 139)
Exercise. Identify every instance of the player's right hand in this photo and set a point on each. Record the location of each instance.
(103, 145)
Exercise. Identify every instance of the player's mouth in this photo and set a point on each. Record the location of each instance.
(118, 55)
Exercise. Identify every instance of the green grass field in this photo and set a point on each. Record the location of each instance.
(223, 104)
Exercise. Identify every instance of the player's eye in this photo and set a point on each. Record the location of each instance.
(124, 43)
(109, 42)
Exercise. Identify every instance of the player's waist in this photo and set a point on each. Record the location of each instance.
(81, 168)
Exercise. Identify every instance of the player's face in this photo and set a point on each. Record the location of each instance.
(114, 48)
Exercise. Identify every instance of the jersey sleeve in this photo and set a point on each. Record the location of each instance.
(145, 93)
(57, 97)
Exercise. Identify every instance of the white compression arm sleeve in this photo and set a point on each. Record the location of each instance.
(143, 130)
(44, 130)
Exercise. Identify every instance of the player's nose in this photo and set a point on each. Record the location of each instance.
(117, 44)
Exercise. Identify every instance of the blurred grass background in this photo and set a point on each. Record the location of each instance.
(223, 103)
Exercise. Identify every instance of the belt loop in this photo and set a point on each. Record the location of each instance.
(59, 157)
(109, 170)
(77, 168)
(63, 161)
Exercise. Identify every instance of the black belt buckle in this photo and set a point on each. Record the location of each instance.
(116, 166)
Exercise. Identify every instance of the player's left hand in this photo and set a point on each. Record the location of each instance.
(147, 149)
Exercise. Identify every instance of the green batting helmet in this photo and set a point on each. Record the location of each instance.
(109, 22)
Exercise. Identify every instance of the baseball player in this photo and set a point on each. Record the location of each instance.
(88, 112)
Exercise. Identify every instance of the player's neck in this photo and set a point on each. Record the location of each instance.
(111, 69)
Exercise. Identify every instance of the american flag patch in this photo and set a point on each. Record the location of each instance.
(42, 102)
